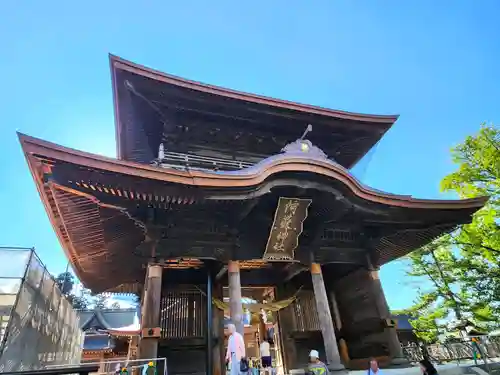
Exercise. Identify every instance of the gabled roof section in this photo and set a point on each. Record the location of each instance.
(132, 140)
(107, 319)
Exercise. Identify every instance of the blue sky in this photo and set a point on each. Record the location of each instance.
(433, 62)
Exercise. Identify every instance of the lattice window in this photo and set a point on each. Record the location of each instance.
(338, 235)
(304, 313)
(183, 314)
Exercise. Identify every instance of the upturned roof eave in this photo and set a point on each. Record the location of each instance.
(120, 63)
(245, 178)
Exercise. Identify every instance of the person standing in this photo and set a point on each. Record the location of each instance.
(374, 369)
(235, 350)
(265, 354)
(316, 367)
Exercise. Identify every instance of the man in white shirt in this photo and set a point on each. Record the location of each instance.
(374, 369)
(235, 349)
(265, 354)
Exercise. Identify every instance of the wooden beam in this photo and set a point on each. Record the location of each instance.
(334, 362)
(221, 273)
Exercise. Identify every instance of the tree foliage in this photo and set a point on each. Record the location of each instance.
(66, 283)
(100, 301)
(83, 299)
(461, 271)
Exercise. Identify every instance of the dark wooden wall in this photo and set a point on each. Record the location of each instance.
(300, 330)
(361, 323)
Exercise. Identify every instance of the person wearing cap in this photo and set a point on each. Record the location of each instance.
(316, 367)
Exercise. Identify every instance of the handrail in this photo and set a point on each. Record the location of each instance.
(193, 161)
(82, 370)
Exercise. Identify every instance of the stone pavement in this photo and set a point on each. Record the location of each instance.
(464, 368)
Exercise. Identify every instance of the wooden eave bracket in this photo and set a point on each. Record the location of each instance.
(293, 269)
(221, 273)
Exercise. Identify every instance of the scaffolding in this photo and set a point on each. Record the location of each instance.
(38, 325)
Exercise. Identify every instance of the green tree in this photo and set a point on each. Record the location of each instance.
(462, 270)
(437, 298)
(478, 175)
(66, 283)
(100, 301)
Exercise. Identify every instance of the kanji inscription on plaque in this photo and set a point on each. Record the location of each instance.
(287, 227)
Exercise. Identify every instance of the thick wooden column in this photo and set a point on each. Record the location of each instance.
(150, 314)
(395, 349)
(235, 305)
(325, 321)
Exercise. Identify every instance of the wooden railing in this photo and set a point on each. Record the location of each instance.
(192, 161)
(82, 370)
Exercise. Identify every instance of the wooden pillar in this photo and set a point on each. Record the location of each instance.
(102, 362)
(344, 352)
(262, 327)
(395, 349)
(150, 314)
(286, 326)
(325, 321)
(235, 304)
(132, 348)
(218, 334)
(209, 332)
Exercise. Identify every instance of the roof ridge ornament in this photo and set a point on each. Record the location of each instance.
(308, 130)
(304, 146)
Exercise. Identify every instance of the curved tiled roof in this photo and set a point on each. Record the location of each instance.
(246, 108)
(117, 62)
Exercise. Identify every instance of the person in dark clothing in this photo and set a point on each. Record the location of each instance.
(427, 367)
